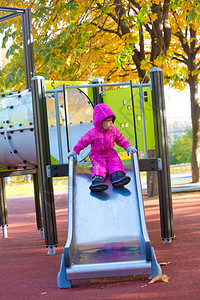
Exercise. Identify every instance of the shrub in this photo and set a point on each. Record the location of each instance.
(180, 149)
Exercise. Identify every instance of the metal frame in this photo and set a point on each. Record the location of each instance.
(62, 170)
(54, 93)
(11, 173)
(161, 141)
(134, 119)
(143, 121)
(94, 85)
(97, 91)
(44, 159)
(3, 208)
(27, 38)
(38, 204)
(29, 73)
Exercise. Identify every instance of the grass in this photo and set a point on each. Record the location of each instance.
(180, 168)
(20, 188)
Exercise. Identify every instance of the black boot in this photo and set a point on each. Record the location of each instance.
(118, 179)
(98, 184)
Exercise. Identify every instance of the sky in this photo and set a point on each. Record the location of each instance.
(177, 105)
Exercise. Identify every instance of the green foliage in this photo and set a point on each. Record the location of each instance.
(144, 12)
(180, 149)
(124, 57)
(176, 3)
(194, 14)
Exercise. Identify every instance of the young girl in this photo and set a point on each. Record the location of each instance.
(104, 158)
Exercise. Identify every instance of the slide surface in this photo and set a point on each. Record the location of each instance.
(107, 233)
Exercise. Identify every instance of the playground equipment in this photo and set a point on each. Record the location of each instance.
(48, 160)
(21, 140)
(107, 233)
(29, 67)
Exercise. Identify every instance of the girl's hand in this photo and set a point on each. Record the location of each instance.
(131, 149)
(72, 153)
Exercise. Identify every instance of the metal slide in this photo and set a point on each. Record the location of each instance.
(107, 233)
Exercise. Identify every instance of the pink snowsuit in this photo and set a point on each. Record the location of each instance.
(102, 155)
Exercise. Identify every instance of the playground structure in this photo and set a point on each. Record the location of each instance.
(16, 127)
(45, 161)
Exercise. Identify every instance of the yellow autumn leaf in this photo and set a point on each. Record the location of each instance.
(154, 16)
(165, 263)
(159, 277)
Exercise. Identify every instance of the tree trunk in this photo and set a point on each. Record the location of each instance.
(195, 116)
(160, 32)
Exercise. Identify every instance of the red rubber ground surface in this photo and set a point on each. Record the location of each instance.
(27, 272)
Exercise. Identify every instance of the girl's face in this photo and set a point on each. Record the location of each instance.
(107, 124)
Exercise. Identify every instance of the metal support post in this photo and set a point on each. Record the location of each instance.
(58, 128)
(28, 46)
(3, 208)
(27, 38)
(143, 122)
(38, 205)
(44, 159)
(97, 91)
(134, 120)
(161, 143)
(4, 232)
(66, 117)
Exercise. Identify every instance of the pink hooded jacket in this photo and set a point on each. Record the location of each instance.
(102, 141)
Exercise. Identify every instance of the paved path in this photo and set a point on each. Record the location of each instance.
(180, 182)
(28, 273)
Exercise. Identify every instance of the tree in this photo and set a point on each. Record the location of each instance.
(180, 149)
(77, 40)
(187, 36)
(115, 39)
(80, 39)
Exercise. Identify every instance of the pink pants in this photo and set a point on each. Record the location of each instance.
(106, 164)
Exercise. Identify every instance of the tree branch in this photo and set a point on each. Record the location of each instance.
(197, 50)
(141, 36)
(134, 3)
(179, 60)
(109, 14)
(105, 29)
(120, 12)
(179, 34)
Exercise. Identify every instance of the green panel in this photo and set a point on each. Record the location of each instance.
(54, 161)
(148, 112)
(120, 102)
